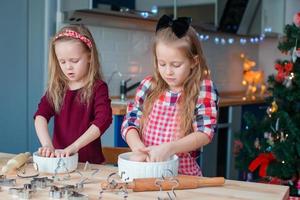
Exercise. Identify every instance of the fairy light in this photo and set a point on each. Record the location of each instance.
(217, 40)
(241, 40)
(154, 9)
(144, 14)
(223, 41)
(282, 162)
(230, 40)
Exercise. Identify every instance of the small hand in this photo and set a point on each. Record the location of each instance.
(46, 151)
(138, 156)
(70, 150)
(158, 153)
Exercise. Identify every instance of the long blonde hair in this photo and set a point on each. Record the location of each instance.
(58, 82)
(191, 48)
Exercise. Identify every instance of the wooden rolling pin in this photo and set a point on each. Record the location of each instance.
(185, 182)
(15, 162)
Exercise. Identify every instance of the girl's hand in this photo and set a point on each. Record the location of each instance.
(46, 151)
(70, 150)
(158, 153)
(138, 156)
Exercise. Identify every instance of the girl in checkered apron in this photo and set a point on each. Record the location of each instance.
(175, 110)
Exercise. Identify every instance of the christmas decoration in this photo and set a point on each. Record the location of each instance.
(252, 79)
(297, 19)
(272, 109)
(295, 53)
(269, 147)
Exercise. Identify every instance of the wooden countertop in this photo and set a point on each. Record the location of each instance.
(230, 190)
(226, 99)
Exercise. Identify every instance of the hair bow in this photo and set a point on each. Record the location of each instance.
(179, 26)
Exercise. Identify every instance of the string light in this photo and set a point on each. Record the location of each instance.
(241, 40)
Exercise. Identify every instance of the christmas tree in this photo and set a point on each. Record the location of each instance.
(269, 148)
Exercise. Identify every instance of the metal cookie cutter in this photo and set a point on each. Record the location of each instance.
(68, 190)
(23, 193)
(7, 182)
(41, 182)
(171, 179)
(61, 165)
(114, 186)
(65, 191)
(55, 192)
(77, 196)
(85, 180)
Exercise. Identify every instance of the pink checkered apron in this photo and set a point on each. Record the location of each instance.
(163, 127)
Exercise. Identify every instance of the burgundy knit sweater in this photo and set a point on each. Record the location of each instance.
(76, 117)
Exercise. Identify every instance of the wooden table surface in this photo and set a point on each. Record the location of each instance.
(231, 190)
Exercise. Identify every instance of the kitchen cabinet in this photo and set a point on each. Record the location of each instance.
(118, 140)
(218, 157)
(274, 14)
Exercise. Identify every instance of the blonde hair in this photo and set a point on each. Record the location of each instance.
(58, 82)
(191, 47)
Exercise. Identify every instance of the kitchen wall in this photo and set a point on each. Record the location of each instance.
(130, 52)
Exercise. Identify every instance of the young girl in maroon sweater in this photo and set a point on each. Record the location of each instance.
(76, 96)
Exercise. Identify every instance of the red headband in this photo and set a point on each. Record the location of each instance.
(76, 35)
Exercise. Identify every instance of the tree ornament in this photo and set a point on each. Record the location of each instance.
(272, 109)
(267, 135)
(277, 124)
(284, 69)
(287, 82)
(298, 186)
(256, 143)
(270, 140)
(296, 19)
(295, 53)
(269, 149)
(282, 137)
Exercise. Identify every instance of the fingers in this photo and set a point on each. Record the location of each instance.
(148, 158)
(50, 152)
(46, 151)
(60, 153)
(144, 150)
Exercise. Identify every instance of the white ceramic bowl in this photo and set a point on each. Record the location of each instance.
(134, 169)
(48, 165)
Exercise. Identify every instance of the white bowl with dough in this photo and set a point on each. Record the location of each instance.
(48, 165)
(129, 170)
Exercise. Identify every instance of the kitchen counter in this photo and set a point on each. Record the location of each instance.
(230, 190)
(226, 99)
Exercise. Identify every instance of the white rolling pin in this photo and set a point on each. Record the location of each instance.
(15, 162)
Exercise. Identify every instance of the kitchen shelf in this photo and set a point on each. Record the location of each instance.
(97, 17)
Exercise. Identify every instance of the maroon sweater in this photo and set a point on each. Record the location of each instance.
(75, 118)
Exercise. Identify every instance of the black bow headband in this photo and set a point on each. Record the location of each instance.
(179, 26)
